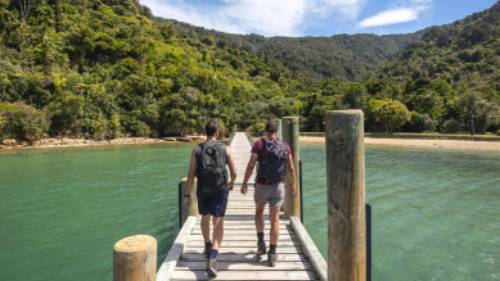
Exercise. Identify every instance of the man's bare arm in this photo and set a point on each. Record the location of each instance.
(250, 167)
(232, 167)
(248, 172)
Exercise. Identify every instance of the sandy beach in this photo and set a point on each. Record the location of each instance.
(424, 143)
(399, 142)
(76, 142)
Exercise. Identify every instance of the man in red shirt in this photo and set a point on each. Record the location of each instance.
(275, 165)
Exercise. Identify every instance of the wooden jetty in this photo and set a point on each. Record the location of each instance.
(299, 258)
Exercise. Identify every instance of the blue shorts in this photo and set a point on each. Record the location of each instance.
(212, 203)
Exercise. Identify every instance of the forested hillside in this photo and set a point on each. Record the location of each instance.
(454, 72)
(101, 69)
(346, 57)
(106, 68)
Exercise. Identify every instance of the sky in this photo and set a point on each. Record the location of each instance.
(316, 17)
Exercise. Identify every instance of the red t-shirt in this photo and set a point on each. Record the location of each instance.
(258, 148)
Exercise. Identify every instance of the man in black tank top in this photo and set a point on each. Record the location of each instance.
(208, 164)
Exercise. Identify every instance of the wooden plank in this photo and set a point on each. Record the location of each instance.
(312, 252)
(242, 244)
(246, 257)
(249, 226)
(242, 237)
(240, 250)
(249, 230)
(247, 275)
(168, 265)
(253, 266)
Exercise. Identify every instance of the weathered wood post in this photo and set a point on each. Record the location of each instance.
(184, 213)
(346, 195)
(134, 259)
(278, 122)
(290, 130)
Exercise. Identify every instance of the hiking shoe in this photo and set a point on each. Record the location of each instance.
(272, 259)
(212, 268)
(261, 250)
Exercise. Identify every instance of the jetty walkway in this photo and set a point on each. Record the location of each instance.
(236, 260)
(349, 228)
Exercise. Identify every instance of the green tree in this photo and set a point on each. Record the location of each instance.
(22, 122)
(389, 114)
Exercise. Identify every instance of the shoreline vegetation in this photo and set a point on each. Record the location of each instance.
(100, 69)
(445, 141)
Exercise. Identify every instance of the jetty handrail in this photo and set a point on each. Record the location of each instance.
(170, 262)
(310, 249)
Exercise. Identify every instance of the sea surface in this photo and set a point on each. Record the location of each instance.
(436, 213)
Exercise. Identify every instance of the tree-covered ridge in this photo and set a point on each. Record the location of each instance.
(106, 68)
(345, 57)
(453, 73)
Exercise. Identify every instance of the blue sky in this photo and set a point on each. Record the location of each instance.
(316, 17)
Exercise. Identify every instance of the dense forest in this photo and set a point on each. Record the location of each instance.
(107, 68)
(346, 57)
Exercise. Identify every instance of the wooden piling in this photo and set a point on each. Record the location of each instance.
(134, 259)
(184, 213)
(290, 131)
(279, 133)
(346, 195)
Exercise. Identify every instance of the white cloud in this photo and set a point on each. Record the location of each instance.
(265, 17)
(400, 12)
(388, 17)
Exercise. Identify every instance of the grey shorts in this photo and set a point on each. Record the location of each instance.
(274, 194)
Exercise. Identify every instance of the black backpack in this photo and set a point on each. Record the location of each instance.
(273, 163)
(211, 167)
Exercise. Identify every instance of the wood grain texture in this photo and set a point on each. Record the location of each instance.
(310, 249)
(134, 259)
(170, 262)
(290, 132)
(346, 195)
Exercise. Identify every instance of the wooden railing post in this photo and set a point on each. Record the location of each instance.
(134, 259)
(290, 130)
(184, 213)
(278, 122)
(346, 195)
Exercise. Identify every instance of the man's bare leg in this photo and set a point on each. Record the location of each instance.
(275, 225)
(259, 217)
(205, 230)
(218, 233)
(259, 226)
(274, 213)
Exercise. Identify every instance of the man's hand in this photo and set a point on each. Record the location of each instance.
(231, 185)
(244, 188)
(293, 188)
(187, 202)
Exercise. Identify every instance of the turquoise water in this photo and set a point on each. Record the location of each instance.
(436, 212)
(62, 210)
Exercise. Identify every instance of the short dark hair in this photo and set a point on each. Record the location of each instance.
(211, 128)
(271, 126)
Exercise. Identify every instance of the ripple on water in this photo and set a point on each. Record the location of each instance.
(434, 211)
